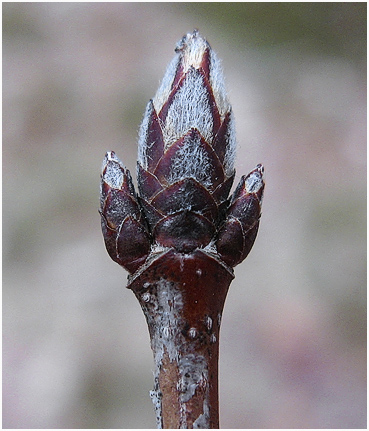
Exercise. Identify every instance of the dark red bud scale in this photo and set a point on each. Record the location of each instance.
(123, 224)
(181, 236)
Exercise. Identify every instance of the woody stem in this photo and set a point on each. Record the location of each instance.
(182, 298)
(188, 390)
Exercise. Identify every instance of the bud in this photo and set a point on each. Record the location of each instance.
(187, 149)
(238, 233)
(185, 171)
(124, 227)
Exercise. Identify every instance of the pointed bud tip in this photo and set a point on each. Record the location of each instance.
(254, 180)
(192, 48)
(110, 156)
(113, 170)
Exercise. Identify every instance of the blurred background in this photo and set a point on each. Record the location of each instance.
(76, 80)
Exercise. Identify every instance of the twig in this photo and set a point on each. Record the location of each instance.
(180, 238)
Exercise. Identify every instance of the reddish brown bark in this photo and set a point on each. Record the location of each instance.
(182, 297)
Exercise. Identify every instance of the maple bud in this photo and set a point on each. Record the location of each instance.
(185, 171)
(124, 227)
(238, 233)
(186, 149)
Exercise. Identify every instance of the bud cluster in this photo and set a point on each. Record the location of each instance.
(185, 172)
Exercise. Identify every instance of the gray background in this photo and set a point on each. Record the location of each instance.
(76, 80)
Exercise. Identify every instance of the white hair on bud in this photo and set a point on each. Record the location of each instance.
(111, 156)
(192, 48)
(190, 109)
(113, 170)
(218, 85)
(165, 88)
(254, 182)
(231, 144)
(191, 161)
(189, 52)
(190, 106)
(143, 144)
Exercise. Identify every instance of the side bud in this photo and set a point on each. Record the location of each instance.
(126, 237)
(237, 235)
